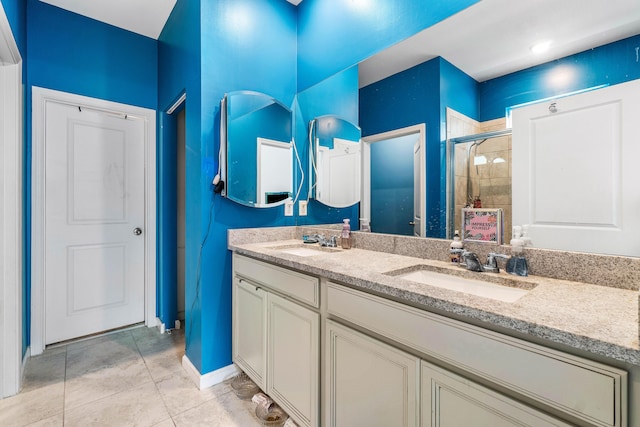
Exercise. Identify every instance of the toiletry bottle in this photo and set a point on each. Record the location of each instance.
(455, 249)
(517, 264)
(345, 237)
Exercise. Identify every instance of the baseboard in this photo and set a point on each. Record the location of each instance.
(209, 379)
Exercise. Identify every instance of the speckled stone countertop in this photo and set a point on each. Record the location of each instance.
(598, 319)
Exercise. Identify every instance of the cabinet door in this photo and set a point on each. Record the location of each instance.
(249, 330)
(451, 400)
(368, 382)
(293, 359)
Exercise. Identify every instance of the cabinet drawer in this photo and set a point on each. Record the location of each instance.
(296, 285)
(591, 391)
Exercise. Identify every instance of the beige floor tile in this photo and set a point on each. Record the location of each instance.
(150, 340)
(139, 406)
(225, 410)
(55, 421)
(45, 369)
(106, 381)
(106, 351)
(180, 394)
(164, 363)
(166, 423)
(31, 406)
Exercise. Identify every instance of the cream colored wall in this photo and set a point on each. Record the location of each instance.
(492, 182)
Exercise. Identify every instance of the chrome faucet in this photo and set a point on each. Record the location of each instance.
(331, 242)
(471, 262)
(492, 262)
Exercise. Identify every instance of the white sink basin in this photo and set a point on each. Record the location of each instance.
(305, 250)
(501, 292)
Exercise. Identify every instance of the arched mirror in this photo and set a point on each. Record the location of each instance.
(335, 161)
(258, 149)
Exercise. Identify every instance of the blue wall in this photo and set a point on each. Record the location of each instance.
(606, 65)
(336, 95)
(71, 53)
(405, 99)
(208, 49)
(336, 34)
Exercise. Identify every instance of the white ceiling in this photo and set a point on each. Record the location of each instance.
(486, 40)
(493, 37)
(146, 17)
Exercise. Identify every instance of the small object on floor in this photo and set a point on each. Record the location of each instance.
(244, 387)
(262, 399)
(275, 416)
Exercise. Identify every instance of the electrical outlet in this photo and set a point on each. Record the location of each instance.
(288, 209)
(302, 208)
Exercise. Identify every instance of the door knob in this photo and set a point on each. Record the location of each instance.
(137, 231)
(412, 223)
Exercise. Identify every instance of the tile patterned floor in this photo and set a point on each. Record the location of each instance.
(129, 378)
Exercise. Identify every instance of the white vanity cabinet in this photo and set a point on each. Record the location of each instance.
(451, 400)
(276, 334)
(579, 389)
(250, 330)
(369, 383)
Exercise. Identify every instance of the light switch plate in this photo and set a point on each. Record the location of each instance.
(288, 209)
(302, 208)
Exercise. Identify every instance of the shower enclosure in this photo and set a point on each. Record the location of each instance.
(479, 175)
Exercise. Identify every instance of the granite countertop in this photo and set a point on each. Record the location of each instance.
(598, 319)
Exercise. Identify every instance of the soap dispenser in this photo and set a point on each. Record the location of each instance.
(517, 264)
(345, 236)
(456, 248)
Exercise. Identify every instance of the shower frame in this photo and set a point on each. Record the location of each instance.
(451, 143)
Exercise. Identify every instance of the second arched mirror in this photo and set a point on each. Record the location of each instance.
(335, 161)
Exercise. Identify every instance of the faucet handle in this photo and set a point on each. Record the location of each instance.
(492, 261)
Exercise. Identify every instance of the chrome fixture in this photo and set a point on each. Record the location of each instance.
(471, 262)
(331, 242)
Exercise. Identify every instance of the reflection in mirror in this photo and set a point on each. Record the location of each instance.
(479, 168)
(335, 161)
(259, 158)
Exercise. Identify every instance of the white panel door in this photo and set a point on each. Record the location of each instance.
(575, 171)
(339, 173)
(94, 219)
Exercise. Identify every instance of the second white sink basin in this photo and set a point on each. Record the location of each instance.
(502, 292)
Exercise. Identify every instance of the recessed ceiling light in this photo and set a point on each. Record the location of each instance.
(541, 47)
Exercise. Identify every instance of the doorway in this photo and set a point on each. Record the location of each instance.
(93, 216)
(394, 181)
(172, 215)
(11, 212)
(181, 222)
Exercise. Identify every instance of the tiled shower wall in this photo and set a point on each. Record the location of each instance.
(490, 175)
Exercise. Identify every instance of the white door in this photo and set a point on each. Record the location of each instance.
(339, 173)
(575, 171)
(94, 221)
